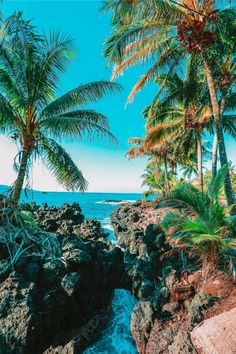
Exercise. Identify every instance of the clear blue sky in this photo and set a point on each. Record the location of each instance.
(105, 168)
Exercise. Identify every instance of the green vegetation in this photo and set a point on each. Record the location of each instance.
(21, 237)
(200, 223)
(189, 49)
(30, 68)
(190, 36)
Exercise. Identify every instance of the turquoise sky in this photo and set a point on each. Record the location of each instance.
(106, 168)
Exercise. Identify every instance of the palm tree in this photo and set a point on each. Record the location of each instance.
(156, 183)
(180, 112)
(190, 169)
(201, 222)
(160, 154)
(226, 73)
(30, 66)
(167, 32)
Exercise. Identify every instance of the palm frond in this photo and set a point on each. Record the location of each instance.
(59, 162)
(7, 115)
(81, 95)
(216, 184)
(186, 197)
(77, 124)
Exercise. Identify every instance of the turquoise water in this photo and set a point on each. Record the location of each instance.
(116, 337)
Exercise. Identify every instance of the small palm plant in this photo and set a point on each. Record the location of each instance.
(30, 67)
(201, 223)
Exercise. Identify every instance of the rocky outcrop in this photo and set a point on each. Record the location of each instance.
(149, 259)
(171, 301)
(90, 229)
(151, 263)
(66, 220)
(153, 267)
(58, 304)
(54, 300)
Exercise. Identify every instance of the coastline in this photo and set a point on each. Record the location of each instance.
(90, 266)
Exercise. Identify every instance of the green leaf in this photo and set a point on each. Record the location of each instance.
(59, 162)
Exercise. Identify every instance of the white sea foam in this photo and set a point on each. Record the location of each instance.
(116, 337)
(118, 202)
(106, 225)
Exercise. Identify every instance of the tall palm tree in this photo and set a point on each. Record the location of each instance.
(226, 73)
(30, 66)
(167, 31)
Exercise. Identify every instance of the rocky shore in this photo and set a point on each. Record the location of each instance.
(172, 299)
(58, 302)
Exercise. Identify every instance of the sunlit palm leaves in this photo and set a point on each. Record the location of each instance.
(30, 69)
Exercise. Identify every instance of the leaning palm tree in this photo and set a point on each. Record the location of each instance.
(30, 66)
(165, 32)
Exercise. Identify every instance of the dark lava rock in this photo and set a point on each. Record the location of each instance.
(90, 229)
(146, 254)
(60, 220)
(61, 302)
(66, 220)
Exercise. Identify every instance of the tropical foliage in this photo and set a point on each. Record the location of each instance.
(200, 221)
(30, 68)
(187, 48)
(175, 36)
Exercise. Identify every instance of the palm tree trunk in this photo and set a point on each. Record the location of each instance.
(17, 188)
(199, 161)
(166, 176)
(214, 156)
(229, 193)
(215, 143)
(156, 170)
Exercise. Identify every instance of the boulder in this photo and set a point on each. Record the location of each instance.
(216, 335)
(61, 220)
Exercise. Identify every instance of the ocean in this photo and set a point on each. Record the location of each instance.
(116, 337)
